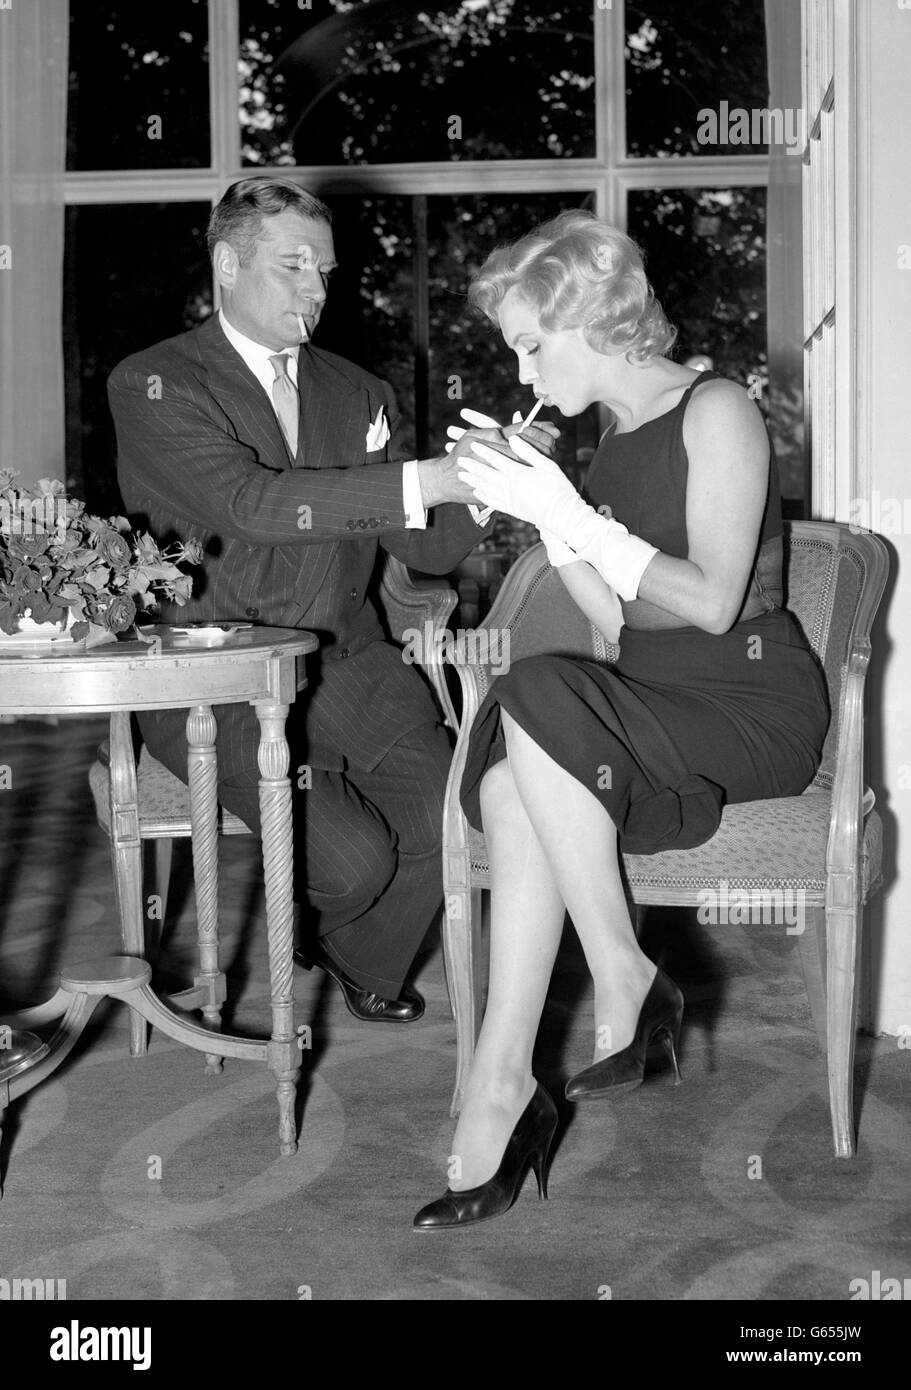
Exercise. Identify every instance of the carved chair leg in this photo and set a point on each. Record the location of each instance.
(462, 956)
(811, 944)
(843, 931)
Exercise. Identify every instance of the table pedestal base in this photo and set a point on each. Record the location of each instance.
(25, 1060)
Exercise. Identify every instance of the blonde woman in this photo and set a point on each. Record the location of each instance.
(715, 697)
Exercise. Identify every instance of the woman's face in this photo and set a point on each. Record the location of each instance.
(560, 366)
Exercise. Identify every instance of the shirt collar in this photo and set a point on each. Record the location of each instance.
(256, 355)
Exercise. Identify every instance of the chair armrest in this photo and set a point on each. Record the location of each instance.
(504, 609)
(471, 689)
(409, 605)
(411, 602)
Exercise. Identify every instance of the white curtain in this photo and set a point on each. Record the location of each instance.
(34, 36)
(784, 232)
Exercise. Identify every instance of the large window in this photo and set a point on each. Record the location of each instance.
(435, 131)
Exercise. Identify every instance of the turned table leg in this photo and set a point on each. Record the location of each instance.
(126, 852)
(278, 847)
(202, 768)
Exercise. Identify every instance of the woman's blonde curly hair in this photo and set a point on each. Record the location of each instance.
(579, 272)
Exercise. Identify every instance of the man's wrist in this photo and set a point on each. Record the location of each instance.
(429, 479)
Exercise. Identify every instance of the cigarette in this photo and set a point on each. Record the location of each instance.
(302, 328)
(531, 414)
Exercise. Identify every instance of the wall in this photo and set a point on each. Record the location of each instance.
(881, 345)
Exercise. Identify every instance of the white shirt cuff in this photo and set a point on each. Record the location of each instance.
(412, 501)
(481, 514)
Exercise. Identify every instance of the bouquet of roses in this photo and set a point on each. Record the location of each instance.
(60, 565)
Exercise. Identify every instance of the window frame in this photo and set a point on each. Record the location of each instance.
(610, 175)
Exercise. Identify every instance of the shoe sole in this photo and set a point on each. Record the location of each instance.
(621, 1089)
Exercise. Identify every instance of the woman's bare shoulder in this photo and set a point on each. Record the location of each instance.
(723, 406)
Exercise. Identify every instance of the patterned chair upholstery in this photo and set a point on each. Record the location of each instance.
(822, 849)
(164, 801)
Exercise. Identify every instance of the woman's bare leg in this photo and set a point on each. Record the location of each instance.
(526, 922)
(552, 848)
(579, 842)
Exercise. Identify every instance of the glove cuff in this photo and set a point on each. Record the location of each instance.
(620, 559)
(558, 552)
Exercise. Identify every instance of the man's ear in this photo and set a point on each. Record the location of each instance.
(225, 264)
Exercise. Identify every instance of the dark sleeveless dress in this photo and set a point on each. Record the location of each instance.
(686, 720)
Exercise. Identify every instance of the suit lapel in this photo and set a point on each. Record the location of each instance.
(332, 423)
(241, 397)
(334, 409)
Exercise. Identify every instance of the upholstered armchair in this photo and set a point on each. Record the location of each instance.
(824, 846)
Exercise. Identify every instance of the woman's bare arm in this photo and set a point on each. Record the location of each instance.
(597, 599)
(728, 451)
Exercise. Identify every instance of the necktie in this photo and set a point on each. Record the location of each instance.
(286, 401)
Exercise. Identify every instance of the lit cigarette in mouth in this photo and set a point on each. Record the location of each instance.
(532, 413)
(302, 327)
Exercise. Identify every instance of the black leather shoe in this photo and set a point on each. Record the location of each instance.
(363, 1003)
(527, 1147)
(659, 1021)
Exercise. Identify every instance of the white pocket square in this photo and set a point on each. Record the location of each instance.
(378, 433)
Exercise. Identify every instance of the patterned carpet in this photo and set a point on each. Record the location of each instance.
(146, 1179)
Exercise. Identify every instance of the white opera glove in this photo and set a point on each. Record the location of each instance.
(558, 552)
(538, 491)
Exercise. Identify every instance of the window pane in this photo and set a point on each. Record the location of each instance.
(706, 257)
(369, 315)
(139, 85)
(401, 80)
(133, 274)
(467, 355)
(437, 354)
(685, 59)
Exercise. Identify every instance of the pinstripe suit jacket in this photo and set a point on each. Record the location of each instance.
(286, 543)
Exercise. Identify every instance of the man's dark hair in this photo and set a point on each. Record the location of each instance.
(238, 218)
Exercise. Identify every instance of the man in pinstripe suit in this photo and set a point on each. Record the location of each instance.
(277, 456)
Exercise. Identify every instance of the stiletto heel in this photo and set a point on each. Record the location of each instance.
(659, 1020)
(539, 1168)
(527, 1147)
(670, 1041)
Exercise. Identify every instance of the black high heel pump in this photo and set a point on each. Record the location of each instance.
(527, 1146)
(659, 1020)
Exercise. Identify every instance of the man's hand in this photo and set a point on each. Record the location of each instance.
(440, 481)
(543, 436)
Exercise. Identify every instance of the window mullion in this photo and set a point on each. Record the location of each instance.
(224, 121)
(421, 331)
